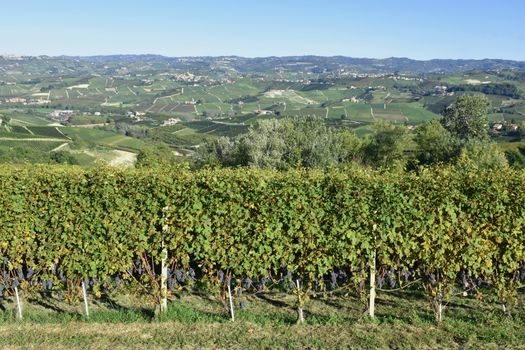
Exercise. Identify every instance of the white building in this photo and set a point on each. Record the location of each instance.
(171, 121)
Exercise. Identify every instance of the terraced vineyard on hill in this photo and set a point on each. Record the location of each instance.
(126, 102)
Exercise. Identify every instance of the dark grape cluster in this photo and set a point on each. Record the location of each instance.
(380, 280)
(391, 278)
(432, 279)
(191, 274)
(12, 278)
(262, 283)
(405, 273)
(171, 283)
(333, 279)
(180, 276)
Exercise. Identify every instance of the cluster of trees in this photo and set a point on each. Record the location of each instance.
(152, 156)
(244, 99)
(461, 135)
(282, 144)
(4, 119)
(502, 89)
(515, 75)
(136, 131)
(29, 155)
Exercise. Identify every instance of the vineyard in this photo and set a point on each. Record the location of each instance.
(103, 232)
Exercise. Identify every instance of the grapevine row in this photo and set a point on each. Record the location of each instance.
(112, 229)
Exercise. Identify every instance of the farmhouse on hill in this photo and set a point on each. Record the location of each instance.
(263, 112)
(171, 121)
(61, 115)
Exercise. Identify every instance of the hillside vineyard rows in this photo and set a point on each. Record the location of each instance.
(96, 105)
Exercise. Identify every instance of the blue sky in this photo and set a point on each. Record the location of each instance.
(420, 29)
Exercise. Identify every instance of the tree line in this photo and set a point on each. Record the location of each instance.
(461, 135)
(502, 89)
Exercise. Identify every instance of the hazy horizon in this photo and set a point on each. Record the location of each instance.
(256, 57)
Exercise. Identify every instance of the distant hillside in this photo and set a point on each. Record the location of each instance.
(318, 63)
(313, 64)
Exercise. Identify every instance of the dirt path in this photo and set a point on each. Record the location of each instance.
(217, 97)
(170, 97)
(60, 147)
(21, 121)
(89, 126)
(226, 123)
(61, 133)
(123, 158)
(43, 139)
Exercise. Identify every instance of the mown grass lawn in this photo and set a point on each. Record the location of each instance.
(404, 321)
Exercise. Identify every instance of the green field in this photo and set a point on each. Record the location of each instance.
(219, 96)
(195, 322)
(31, 132)
(110, 139)
(24, 119)
(45, 146)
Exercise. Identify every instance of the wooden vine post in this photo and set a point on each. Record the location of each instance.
(439, 297)
(300, 314)
(232, 312)
(164, 281)
(372, 301)
(84, 296)
(439, 314)
(18, 304)
(164, 267)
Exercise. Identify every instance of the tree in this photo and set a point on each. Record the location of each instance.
(63, 158)
(4, 119)
(387, 145)
(221, 151)
(282, 144)
(482, 155)
(435, 144)
(264, 146)
(467, 118)
(157, 155)
(346, 146)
